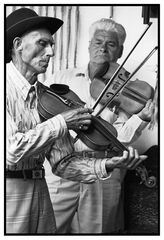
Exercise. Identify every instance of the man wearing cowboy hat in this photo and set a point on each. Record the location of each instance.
(29, 46)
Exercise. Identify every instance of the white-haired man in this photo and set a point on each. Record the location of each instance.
(95, 207)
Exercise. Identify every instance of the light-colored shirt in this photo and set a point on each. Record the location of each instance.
(29, 140)
(27, 137)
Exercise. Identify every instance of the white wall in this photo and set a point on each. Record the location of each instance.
(130, 18)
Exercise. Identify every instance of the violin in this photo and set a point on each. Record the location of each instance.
(59, 98)
(131, 99)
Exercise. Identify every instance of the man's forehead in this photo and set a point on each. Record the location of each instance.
(39, 33)
(100, 32)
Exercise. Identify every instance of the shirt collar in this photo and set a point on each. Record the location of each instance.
(22, 84)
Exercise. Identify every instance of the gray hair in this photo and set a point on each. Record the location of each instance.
(107, 24)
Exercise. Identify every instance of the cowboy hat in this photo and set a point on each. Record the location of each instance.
(24, 19)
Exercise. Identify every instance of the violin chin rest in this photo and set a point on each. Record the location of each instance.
(59, 89)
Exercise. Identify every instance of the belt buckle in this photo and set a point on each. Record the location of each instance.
(37, 174)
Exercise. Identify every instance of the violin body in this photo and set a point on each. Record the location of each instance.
(131, 99)
(56, 99)
(99, 136)
(59, 98)
(137, 99)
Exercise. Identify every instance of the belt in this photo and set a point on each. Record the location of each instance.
(95, 154)
(26, 174)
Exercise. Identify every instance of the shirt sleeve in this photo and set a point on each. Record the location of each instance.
(22, 145)
(129, 130)
(81, 169)
(75, 168)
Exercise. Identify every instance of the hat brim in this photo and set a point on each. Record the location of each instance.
(17, 30)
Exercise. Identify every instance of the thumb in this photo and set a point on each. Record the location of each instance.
(143, 157)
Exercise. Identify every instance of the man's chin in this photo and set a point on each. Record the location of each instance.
(101, 60)
(42, 70)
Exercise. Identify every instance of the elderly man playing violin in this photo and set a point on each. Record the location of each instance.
(97, 207)
(29, 47)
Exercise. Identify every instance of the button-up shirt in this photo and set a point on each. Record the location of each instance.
(29, 140)
(27, 137)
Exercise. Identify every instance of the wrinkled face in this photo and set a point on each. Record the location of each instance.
(37, 48)
(104, 47)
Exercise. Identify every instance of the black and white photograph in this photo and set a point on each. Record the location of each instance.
(81, 119)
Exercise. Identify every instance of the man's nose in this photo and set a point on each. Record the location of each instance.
(103, 47)
(50, 51)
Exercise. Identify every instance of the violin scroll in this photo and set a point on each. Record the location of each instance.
(148, 181)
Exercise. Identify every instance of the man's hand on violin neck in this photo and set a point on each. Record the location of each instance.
(79, 118)
(129, 160)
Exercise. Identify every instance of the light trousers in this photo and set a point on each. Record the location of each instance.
(86, 208)
(28, 207)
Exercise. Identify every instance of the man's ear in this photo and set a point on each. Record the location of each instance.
(17, 43)
(120, 51)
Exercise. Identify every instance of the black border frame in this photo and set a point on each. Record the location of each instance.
(142, 5)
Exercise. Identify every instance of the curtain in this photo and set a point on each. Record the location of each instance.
(66, 38)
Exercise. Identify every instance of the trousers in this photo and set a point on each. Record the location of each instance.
(28, 207)
(87, 208)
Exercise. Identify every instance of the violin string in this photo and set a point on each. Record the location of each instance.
(135, 97)
(65, 100)
(129, 91)
(133, 93)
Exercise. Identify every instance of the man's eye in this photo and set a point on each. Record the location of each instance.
(111, 44)
(42, 43)
(97, 43)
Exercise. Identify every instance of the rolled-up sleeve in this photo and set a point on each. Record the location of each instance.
(81, 169)
(73, 167)
(130, 130)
